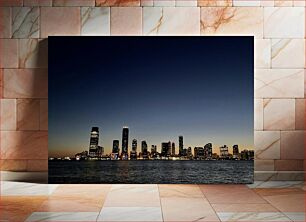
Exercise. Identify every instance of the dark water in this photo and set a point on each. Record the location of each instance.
(157, 171)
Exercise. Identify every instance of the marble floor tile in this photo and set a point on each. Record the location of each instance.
(187, 209)
(284, 199)
(72, 204)
(276, 184)
(145, 195)
(296, 216)
(94, 191)
(130, 214)
(19, 208)
(230, 194)
(63, 216)
(173, 190)
(9, 188)
(264, 207)
(253, 216)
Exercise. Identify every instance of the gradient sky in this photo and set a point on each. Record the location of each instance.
(161, 87)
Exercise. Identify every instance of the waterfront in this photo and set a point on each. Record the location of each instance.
(152, 172)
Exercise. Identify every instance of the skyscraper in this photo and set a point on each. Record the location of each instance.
(94, 141)
(115, 146)
(208, 151)
(144, 149)
(235, 151)
(153, 149)
(224, 152)
(125, 142)
(173, 149)
(166, 149)
(134, 145)
(133, 154)
(181, 145)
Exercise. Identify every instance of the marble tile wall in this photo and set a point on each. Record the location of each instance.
(279, 97)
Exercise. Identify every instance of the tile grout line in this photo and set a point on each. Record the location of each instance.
(161, 209)
(209, 203)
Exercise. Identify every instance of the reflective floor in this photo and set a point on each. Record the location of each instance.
(268, 201)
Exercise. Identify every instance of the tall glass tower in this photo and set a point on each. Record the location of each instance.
(181, 145)
(125, 142)
(94, 141)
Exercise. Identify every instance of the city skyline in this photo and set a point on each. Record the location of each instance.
(136, 142)
(190, 88)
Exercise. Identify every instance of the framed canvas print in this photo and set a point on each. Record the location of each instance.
(151, 109)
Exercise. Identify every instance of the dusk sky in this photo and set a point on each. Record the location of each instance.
(161, 87)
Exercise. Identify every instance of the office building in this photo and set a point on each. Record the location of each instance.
(125, 143)
(93, 142)
(235, 152)
(173, 149)
(144, 149)
(166, 149)
(181, 145)
(224, 152)
(208, 151)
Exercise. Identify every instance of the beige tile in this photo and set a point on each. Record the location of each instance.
(27, 114)
(171, 21)
(258, 114)
(126, 21)
(145, 3)
(145, 195)
(118, 3)
(163, 3)
(92, 191)
(284, 50)
(285, 199)
(292, 145)
(13, 165)
(5, 22)
(212, 3)
(25, 22)
(263, 165)
(73, 2)
(248, 3)
(267, 3)
(8, 53)
(284, 3)
(8, 114)
(264, 207)
(279, 83)
(182, 191)
(129, 214)
(230, 194)
(71, 204)
(267, 145)
(18, 208)
(232, 21)
(263, 53)
(33, 53)
(37, 165)
(95, 21)
(186, 3)
(253, 216)
(4, 3)
(299, 3)
(278, 22)
(279, 114)
(1, 83)
(52, 16)
(25, 83)
(24, 145)
(300, 114)
(37, 2)
(187, 209)
(43, 117)
(289, 165)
